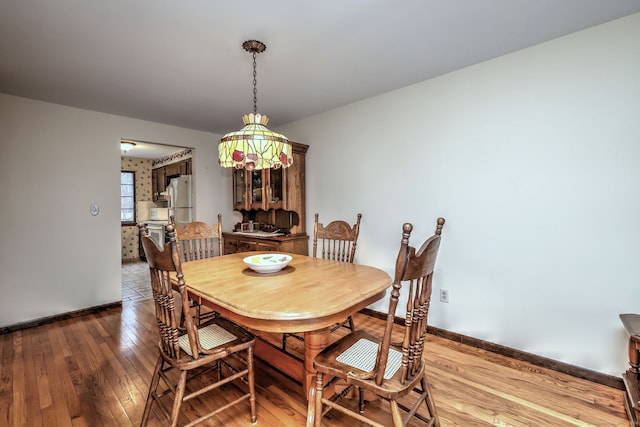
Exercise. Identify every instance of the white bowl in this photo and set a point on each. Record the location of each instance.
(267, 263)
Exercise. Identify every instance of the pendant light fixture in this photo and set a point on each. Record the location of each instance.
(254, 147)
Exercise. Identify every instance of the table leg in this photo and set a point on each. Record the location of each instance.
(314, 343)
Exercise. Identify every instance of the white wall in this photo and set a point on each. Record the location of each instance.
(55, 257)
(533, 159)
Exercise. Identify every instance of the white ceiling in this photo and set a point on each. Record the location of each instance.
(181, 62)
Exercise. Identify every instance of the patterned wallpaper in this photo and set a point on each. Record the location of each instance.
(129, 234)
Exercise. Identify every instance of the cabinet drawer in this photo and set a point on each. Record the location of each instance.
(268, 246)
(246, 245)
(230, 246)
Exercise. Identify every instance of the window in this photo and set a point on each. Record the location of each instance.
(127, 197)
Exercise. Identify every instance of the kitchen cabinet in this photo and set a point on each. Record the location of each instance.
(172, 170)
(296, 244)
(158, 184)
(160, 177)
(186, 167)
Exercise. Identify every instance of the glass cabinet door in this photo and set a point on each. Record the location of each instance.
(239, 189)
(277, 188)
(262, 189)
(256, 188)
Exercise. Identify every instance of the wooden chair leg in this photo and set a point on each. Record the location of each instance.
(155, 380)
(252, 387)
(177, 401)
(431, 404)
(396, 416)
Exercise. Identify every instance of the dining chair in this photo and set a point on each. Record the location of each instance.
(218, 344)
(376, 364)
(336, 241)
(198, 240)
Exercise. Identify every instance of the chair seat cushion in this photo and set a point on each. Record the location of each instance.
(353, 357)
(362, 355)
(210, 336)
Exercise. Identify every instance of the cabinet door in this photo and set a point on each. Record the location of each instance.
(154, 184)
(172, 170)
(185, 167)
(295, 186)
(162, 183)
(257, 194)
(158, 183)
(230, 246)
(276, 188)
(240, 189)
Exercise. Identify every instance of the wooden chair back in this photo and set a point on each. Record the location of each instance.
(336, 241)
(163, 264)
(198, 240)
(414, 277)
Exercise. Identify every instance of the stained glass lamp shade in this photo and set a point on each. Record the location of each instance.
(254, 147)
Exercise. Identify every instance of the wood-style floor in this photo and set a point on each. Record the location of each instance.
(94, 371)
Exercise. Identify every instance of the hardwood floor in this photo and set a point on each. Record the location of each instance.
(95, 370)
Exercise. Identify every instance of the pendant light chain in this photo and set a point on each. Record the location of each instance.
(254, 47)
(255, 85)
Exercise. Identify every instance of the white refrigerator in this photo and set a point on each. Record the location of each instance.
(180, 199)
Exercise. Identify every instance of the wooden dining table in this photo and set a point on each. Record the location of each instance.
(308, 296)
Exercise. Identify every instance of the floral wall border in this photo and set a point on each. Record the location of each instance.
(184, 154)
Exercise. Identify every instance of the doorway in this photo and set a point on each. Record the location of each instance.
(142, 158)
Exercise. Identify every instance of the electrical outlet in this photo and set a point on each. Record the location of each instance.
(444, 295)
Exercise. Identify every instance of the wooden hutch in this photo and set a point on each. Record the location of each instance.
(271, 199)
(631, 377)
